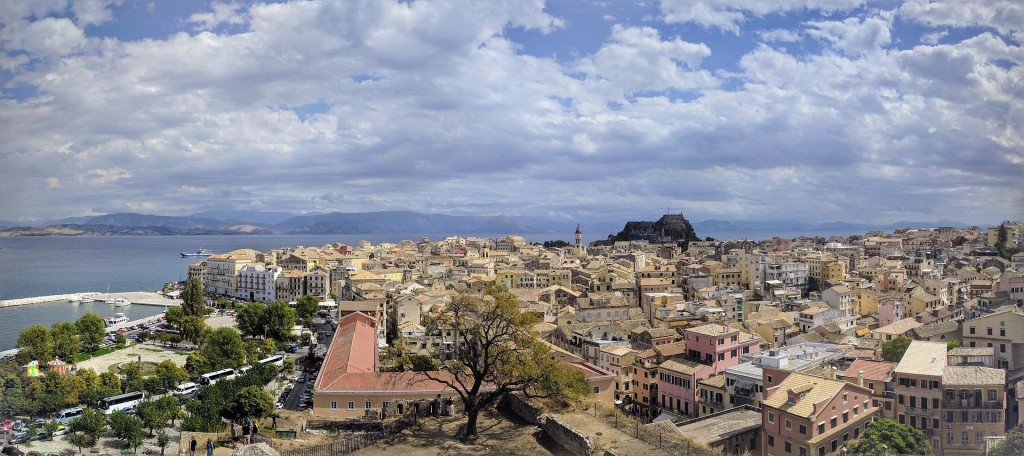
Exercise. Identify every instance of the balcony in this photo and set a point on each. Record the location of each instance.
(711, 403)
(971, 404)
(920, 411)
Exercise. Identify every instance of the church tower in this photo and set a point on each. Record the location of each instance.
(579, 240)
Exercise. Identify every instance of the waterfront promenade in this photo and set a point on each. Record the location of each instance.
(146, 298)
(141, 321)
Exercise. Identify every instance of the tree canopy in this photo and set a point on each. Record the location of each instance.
(224, 348)
(1012, 445)
(305, 309)
(35, 343)
(91, 330)
(193, 301)
(251, 402)
(894, 349)
(66, 341)
(499, 354)
(885, 436)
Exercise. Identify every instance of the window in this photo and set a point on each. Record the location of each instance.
(979, 438)
(803, 429)
(992, 395)
(771, 440)
(856, 432)
(1002, 332)
(972, 330)
(989, 333)
(789, 424)
(334, 405)
(835, 422)
(789, 447)
(844, 397)
(771, 417)
(856, 410)
(821, 428)
(597, 390)
(846, 416)
(369, 405)
(1002, 348)
(721, 356)
(964, 436)
(769, 379)
(803, 451)
(835, 444)
(351, 405)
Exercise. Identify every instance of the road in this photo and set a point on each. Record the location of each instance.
(322, 328)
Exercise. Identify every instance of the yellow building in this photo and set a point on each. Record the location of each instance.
(712, 395)
(833, 271)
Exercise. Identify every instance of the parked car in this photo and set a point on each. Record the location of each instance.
(12, 451)
(19, 437)
(6, 425)
(61, 430)
(18, 425)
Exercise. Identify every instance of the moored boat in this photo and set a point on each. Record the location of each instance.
(198, 252)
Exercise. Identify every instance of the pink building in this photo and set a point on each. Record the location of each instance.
(719, 345)
(890, 311)
(677, 386)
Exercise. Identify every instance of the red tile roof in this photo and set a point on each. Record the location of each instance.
(873, 370)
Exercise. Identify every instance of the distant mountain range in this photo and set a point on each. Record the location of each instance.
(390, 222)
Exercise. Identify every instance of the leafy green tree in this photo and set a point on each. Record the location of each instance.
(894, 349)
(1012, 445)
(35, 343)
(162, 441)
(91, 330)
(169, 374)
(422, 363)
(251, 319)
(258, 349)
(174, 316)
(119, 340)
(305, 309)
(289, 366)
(500, 350)
(251, 402)
(92, 423)
(168, 405)
(31, 432)
(197, 364)
(280, 321)
(152, 415)
(131, 377)
(193, 302)
(59, 391)
(194, 329)
(12, 396)
(952, 343)
(66, 341)
(50, 427)
(886, 436)
(224, 348)
(81, 440)
(127, 428)
(111, 382)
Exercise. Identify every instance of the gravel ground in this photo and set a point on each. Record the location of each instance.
(151, 353)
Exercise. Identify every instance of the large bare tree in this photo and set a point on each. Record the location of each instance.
(496, 352)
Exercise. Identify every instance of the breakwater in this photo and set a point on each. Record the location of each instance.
(42, 299)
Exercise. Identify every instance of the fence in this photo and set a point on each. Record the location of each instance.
(663, 437)
(354, 442)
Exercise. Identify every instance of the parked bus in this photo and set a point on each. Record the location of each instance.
(276, 360)
(126, 401)
(213, 377)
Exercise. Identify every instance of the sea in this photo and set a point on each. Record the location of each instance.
(52, 265)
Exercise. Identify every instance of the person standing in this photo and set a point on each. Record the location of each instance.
(209, 447)
(192, 446)
(255, 429)
(436, 406)
(234, 433)
(245, 433)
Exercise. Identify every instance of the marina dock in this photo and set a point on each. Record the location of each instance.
(146, 298)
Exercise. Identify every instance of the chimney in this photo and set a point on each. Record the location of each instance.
(860, 377)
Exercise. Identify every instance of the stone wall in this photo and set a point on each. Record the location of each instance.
(572, 440)
(522, 408)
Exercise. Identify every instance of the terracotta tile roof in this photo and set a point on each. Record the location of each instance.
(353, 350)
(814, 389)
(873, 370)
(973, 375)
(683, 366)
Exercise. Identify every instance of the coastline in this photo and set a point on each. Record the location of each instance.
(145, 298)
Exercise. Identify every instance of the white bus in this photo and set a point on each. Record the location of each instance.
(126, 402)
(213, 377)
(276, 360)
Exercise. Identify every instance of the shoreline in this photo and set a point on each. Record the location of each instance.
(145, 298)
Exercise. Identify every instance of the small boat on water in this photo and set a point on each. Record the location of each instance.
(117, 319)
(87, 299)
(198, 252)
(75, 299)
(119, 302)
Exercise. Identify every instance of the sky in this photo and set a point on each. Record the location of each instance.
(818, 110)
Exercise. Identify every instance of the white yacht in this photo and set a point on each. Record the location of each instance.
(117, 319)
(119, 302)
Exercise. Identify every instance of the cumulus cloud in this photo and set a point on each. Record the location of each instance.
(852, 35)
(729, 15)
(434, 106)
(1005, 16)
(220, 13)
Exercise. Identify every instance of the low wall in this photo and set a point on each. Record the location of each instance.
(42, 299)
(566, 436)
(572, 440)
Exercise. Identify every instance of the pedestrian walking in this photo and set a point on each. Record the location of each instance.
(234, 433)
(255, 429)
(192, 446)
(209, 447)
(245, 433)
